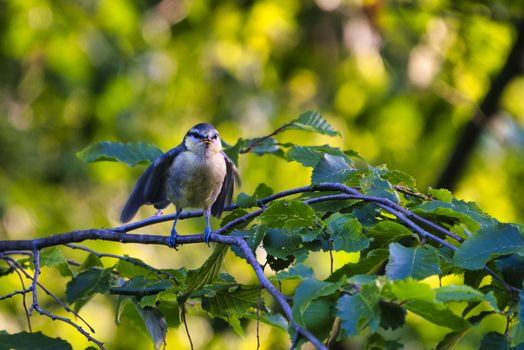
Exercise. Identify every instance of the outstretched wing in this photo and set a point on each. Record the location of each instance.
(228, 186)
(150, 187)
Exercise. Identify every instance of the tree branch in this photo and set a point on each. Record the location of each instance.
(486, 111)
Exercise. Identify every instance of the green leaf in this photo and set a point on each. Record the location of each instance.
(385, 232)
(127, 269)
(494, 340)
(129, 153)
(154, 322)
(253, 238)
(31, 341)
(318, 318)
(141, 285)
(451, 339)
(517, 333)
(283, 243)
(418, 263)
(373, 185)
(82, 287)
(235, 214)
(437, 313)
(91, 261)
(378, 342)
(392, 316)
(409, 289)
(309, 156)
(440, 194)
(288, 214)
(458, 293)
(366, 265)
(246, 201)
(312, 121)
(233, 151)
(332, 169)
(397, 177)
(53, 257)
(309, 290)
(346, 233)
(207, 273)
(231, 302)
(455, 212)
(360, 310)
(489, 243)
(299, 271)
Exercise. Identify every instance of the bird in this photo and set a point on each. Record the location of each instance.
(195, 174)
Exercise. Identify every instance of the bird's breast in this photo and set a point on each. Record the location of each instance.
(194, 181)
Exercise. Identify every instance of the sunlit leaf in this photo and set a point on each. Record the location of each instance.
(83, 287)
(311, 289)
(129, 153)
(312, 121)
(53, 257)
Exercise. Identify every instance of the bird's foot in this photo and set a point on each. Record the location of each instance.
(158, 212)
(172, 240)
(207, 235)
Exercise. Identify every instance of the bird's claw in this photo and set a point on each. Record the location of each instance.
(207, 235)
(172, 240)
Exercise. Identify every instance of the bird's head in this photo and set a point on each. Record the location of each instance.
(203, 138)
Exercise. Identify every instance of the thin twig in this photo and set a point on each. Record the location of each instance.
(184, 320)
(120, 257)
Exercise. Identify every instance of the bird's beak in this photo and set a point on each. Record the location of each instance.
(207, 141)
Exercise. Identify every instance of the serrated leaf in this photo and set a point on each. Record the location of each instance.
(457, 212)
(489, 243)
(283, 243)
(154, 322)
(418, 263)
(360, 310)
(309, 156)
(440, 194)
(128, 269)
(397, 177)
(318, 318)
(392, 316)
(141, 285)
(288, 214)
(451, 339)
(299, 271)
(373, 185)
(385, 232)
(437, 313)
(253, 238)
(87, 283)
(409, 289)
(458, 293)
(231, 302)
(494, 340)
(207, 273)
(312, 121)
(331, 169)
(309, 290)
(91, 261)
(235, 214)
(346, 233)
(366, 265)
(53, 257)
(31, 341)
(129, 153)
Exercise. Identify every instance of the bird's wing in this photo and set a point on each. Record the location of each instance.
(228, 186)
(150, 187)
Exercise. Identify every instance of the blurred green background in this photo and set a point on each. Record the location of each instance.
(398, 79)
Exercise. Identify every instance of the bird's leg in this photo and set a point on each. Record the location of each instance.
(158, 212)
(171, 241)
(207, 231)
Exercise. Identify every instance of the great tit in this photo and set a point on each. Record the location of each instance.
(194, 174)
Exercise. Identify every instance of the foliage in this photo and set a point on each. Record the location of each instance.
(403, 238)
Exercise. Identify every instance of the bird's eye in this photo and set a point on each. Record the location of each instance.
(215, 136)
(194, 135)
